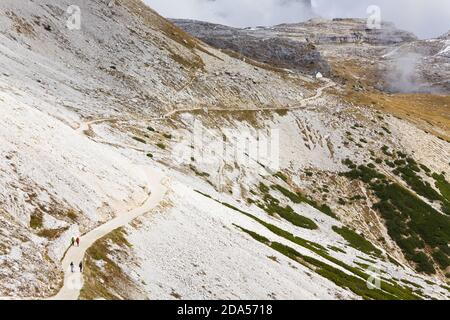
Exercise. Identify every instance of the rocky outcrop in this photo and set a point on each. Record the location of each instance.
(269, 48)
(445, 36)
(342, 31)
(294, 46)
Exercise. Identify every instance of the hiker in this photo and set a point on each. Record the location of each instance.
(81, 266)
(78, 242)
(71, 266)
(72, 242)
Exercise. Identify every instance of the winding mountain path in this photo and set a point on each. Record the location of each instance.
(302, 104)
(328, 84)
(73, 281)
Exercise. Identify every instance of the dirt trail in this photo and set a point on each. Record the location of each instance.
(302, 104)
(73, 282)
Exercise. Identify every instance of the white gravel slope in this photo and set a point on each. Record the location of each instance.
(194, 250)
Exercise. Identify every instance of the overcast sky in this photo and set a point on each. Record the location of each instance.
(426, 18)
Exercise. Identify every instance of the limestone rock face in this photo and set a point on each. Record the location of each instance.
(294, 46)
(260, 44)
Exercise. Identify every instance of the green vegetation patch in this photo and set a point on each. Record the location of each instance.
(299, 198)
(356, 284)
(161, 145)
(408, 172)
(139, 140)
(394, 291)
(393, 261)
(336, 249)
(415, 285)
(36, 220)
(72, 214)
(356, 241)
(263, 188)
(282, 176)
(386, 129)
(444, 187)
(100, 282)
(411, 222)
(52, 234)
(276, 230)
(198, 172)
(272, 206)
(386, 151)
(441, 257)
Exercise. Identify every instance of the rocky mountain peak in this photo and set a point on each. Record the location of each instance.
(445, 36)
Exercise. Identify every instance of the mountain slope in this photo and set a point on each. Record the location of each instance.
(378, 67)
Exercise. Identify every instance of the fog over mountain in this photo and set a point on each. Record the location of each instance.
(426, 18)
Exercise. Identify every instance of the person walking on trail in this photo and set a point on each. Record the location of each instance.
(72, 242)
(78, 242)
(71, 267)
(81, 266)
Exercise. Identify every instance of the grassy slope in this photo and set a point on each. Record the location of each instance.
(356, 281)
(427, 111)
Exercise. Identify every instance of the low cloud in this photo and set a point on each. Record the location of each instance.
(403, 75)
(237, 13)
(426, 18)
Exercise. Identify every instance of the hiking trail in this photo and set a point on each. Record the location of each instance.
(73, 282)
